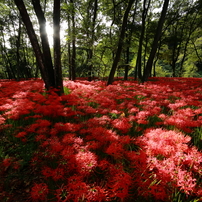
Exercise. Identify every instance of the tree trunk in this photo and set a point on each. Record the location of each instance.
(197, 52)
(120, 44)
(90, 70)
(19, 74)
(127, 62)
(52, 79)
(34, 41)
(192, 28)
(139, 55)
(155, 61)
(44, 40)
(129, 37)
(157, 36)
(57, 48)
(69, 48)
(73, 59)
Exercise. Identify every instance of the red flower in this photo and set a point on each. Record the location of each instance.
(62, 194)
(43, 123)
(171, 164)
(47, 172)
(39, 191)
(122, 124)
(97, 194)
(7, 162)
(77, 188)
(86, 161)
(2, 120)
(21, 135)
(116, 150)
(120, 184)
(16, 165)
(58, 173)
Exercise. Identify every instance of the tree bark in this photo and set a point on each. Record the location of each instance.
(129, 38)
(139, 55)
(73, 59)
(120, 44)
(18, 51)
(34, 41)
(44, 40)
(193, 26)
(127, 62)
(90, 53)
(57, 47)
(157, 36)
(69, 48)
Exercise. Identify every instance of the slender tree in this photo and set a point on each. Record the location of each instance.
(120, 43)
(57, 47)
(128, 41)
(157, 36)
(44, 41)
(92, 39)
(146, 5)
(73, 55)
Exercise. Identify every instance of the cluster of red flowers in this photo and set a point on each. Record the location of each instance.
(107, 143)
(169, 163)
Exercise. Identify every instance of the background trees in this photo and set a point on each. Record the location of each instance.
(92, 33)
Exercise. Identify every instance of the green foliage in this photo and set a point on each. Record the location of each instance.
(197, 138)
(66, 90)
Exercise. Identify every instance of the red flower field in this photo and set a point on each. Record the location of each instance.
(122, 142)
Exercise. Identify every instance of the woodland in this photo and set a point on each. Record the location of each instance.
(100, 39)
(100, 101)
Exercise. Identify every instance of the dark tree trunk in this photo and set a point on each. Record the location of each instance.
(129, 37)
(44, 40)
(73, 59)
(90, 66)
(157, 36)
(127, 62)
(92, 40)
(139, 55)
(18, 51)
(52, 79)
(57, 47)
(175, 55)
(69, 49)
(156, 59)
(120, 44)
(33, 39)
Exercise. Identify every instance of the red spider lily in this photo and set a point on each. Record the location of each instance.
(21, 134)
(122, 124)
(2, 120)
(166, 154)
(7, 162)
(39, 191)
(97, 194)
(116, 150)
(85, 161)
(55, 174)
(62, 194)
(85, 148)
